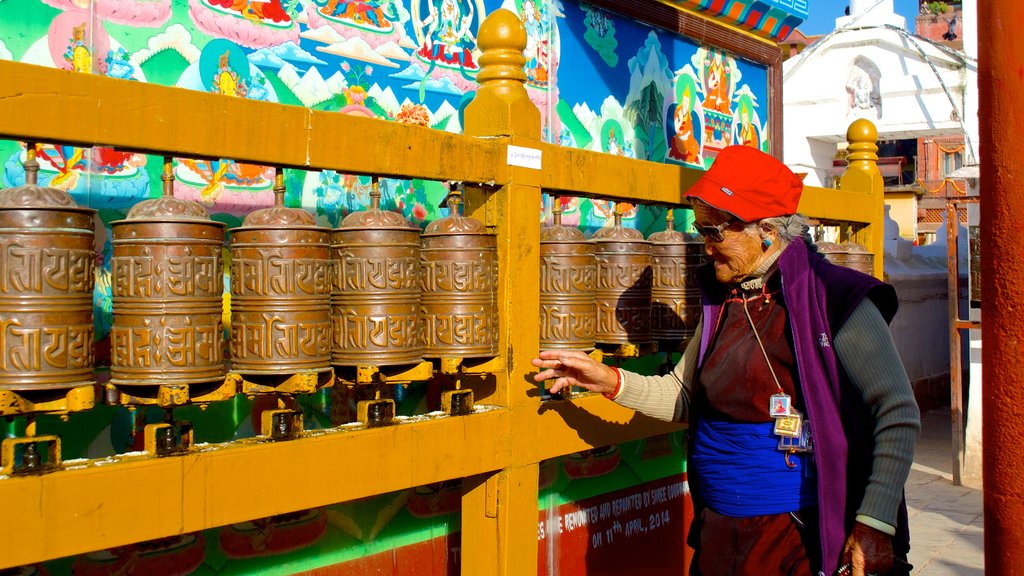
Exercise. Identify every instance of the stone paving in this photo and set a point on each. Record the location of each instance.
(946, 521)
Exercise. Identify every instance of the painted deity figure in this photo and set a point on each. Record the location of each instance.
(613, 143)
(226, 81)
(717, 82)
(537, 23)
(448, 38)
(78, 55)
(748, 133)
(684, 145)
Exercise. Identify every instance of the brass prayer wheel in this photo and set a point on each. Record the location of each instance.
(675, 297)
(168, 287)
(459, 287)
(47, 262)
(624, 279)
(568, 312)
(375, 298)
(280, 291)
(849, 255)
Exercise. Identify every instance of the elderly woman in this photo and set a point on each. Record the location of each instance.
(802, 419)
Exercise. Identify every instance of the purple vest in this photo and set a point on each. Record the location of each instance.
(819, 298)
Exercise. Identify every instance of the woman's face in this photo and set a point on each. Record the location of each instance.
(740, 251)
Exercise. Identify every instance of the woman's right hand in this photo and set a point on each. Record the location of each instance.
(575, 368)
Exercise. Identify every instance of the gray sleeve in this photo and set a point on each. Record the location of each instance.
(663, 397)
(865, 348)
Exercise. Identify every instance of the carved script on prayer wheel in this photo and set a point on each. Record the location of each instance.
(568, 314)
(168, 286)
(849, 255)
(46, 284)
(623, 288)
(280, 293)
(459, 288)
(375, 299)
(675, 297)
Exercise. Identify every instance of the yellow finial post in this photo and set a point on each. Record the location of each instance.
(501, 105)
(499, 508)
(862, 175)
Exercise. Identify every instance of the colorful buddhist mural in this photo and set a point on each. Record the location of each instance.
(631, 90)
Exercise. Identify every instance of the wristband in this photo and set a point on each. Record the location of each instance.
(618, 385)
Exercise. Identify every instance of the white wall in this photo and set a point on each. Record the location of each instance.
(816, 103)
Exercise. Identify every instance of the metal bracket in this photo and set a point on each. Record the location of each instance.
(457, 402)
(78, 399)
(292, 384)
(171, 395)
(456, 365)
(624, 351)
(373, 413)
(282, 424)
(31, 459)
(365, 375)
(166, 439)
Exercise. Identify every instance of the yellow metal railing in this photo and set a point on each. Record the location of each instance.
(95, 505)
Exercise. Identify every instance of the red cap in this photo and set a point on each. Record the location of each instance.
(748, 184)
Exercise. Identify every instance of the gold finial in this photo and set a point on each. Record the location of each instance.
(279, 188)
(556, 211)
(502, 106)
(375, 194)
(670, 220)
(863, 142)
(502, 40)
(618, 213)
(168, 176)
(31, 164)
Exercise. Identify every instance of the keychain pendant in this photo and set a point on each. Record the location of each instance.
(801, 445)
(789, 426)
(780, 406)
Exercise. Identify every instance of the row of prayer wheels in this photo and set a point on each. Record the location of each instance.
(374, 292)
(617, 288)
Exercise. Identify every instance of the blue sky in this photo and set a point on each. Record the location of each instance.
(823, 14)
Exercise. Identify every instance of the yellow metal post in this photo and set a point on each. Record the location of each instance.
(863, 176)
(499, 513)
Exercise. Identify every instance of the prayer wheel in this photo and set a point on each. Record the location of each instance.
(675, 297)
(849, 255)
(459, 287)
(624, 279)
(568, 313)
(47, 262)
(280, 291)
(168, 288)
(375, 298)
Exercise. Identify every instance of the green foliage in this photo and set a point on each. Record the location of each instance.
(646, 109)
(935, 8)
(645, 114)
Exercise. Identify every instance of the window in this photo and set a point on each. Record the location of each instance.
(951, 162)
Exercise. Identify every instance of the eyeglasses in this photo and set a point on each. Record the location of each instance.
(714, 233)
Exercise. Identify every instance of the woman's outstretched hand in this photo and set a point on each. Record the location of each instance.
(574, 368)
